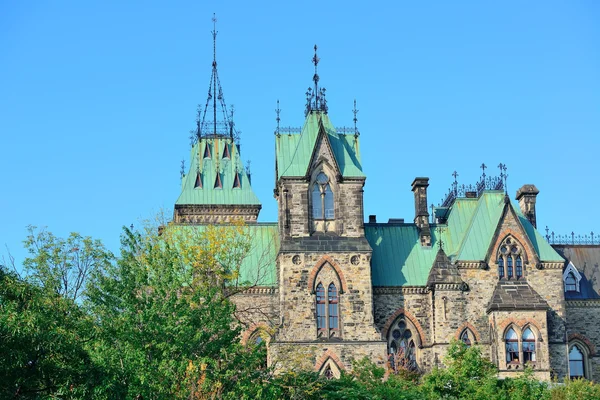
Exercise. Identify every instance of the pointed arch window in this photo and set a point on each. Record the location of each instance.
(322, 198)
(501, 267)
(402, 346)
(512, 346)
(570, 282)
(321, 303)
(528, 346)
(465, 338)
(576, 363)
(198, 183)
(519, 267)
(510, 259)
(328, 311)
(332, 299)
(206, 150)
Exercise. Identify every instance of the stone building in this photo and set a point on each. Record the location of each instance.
(324, 287)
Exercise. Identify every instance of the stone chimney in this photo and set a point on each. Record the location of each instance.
(526, 196)
(419, 188)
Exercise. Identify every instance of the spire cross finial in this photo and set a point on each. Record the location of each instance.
(355, 111)
(214, 65)
(214, 33)
(315, 61)
(483, 167)
(277, 111)
(182, 171)
(455, 183)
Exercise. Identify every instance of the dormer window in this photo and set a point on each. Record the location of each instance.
(206, 150)
(322, 198)
(571, 277)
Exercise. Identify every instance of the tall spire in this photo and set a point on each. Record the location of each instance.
(221, 124)
(315, 100)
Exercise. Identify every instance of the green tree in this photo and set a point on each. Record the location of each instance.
(43, 339)
(165, 326)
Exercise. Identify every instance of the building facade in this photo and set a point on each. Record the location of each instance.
(323, 287)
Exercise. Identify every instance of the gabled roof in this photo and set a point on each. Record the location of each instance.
(207, 169)
(515, 295)
(400, 260)
(293, 152)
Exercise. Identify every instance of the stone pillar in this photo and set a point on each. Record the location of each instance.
(419, 188)
(526, 196)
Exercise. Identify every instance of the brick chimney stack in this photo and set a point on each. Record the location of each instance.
(526, 196)
(419, 188)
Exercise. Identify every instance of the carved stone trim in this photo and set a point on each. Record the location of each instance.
(552, 265)
(583, 303)
(400, 290)
(260, 290)
(471, 264)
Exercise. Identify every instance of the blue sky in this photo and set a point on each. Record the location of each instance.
(97, 99)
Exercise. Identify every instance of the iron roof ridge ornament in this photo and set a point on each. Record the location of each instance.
(485, 182)
(315, 99)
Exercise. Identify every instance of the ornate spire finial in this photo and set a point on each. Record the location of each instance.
(277, 111)
(182, 171)
(483, 167)
(315, 97)
(355, 111)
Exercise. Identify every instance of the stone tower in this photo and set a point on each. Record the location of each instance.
(325, 287)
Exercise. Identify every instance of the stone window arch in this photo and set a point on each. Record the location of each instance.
(403, 343)
(322, 198)
(580, 365)
(511, 339)
(528, 340)
(510, 259)
(467, 337)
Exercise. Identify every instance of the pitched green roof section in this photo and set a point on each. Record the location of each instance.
(258, 267)
(294, 151)
(202, 186)
(400, 260)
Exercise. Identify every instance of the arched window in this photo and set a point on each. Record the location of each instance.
(401, 346)
(328, 312)
(576, 363)
(510, 259)
(321, 316)
(328, 373)
(570, 282)
(333, 307)
(317, 205)
(512, 346)
(465, 338)
(322, 198)
(528, 346)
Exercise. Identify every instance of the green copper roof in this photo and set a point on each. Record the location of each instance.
(294, 151)
(400, 260)
(259, 266)
(198, 186)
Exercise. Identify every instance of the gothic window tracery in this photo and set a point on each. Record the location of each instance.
(510, 259)
(467, 337)
(322, 198)
(401, 345)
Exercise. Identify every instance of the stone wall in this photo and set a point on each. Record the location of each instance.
(583, 325)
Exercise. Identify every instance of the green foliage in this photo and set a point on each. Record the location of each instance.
(43, 340)
(578, 389)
